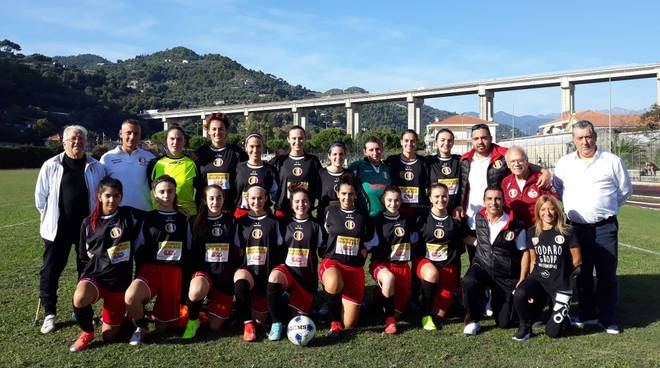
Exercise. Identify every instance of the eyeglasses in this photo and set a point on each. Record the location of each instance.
(479, 126)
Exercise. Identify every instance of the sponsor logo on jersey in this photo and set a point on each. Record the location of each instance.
(115, 232)
(446, 170)
(497, 164)
(513, 193)
(170, 227)
(216, 231)
(545, 274)
(559, 239)
(297, 171)
(439, 233)
(298, 235)
(532, 193)
(509, 235)
(399, 231)
(349, 224)
(407, 175)
(218, 162)
(257, 234)
(252, 180)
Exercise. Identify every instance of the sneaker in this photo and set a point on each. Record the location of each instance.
(580, 323)
(489, 308)
(191, 329)
(249, 334)
(611, 329)
(275, 331)
(137, 338)
(472, 328)
(335, 329)
(49, 324)
(523, 334)
(428, 324)
(390, 325)
(83, 340)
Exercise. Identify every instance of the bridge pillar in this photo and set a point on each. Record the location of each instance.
(246, 114)
(204, 132)
(415, 113)
(299, 117)
(567, 98)
(165, 124)
(658, 83)
(486, 104)
(352, 119)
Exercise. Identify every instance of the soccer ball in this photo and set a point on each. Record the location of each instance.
(301, 330)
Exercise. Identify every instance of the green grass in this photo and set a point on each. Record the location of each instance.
(23, 345)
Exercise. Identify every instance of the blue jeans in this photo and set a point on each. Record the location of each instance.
(599, 247)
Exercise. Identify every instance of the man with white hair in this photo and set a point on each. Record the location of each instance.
(64, 195)
(128, 163)
(593, 185)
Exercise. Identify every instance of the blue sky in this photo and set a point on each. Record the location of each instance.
(377, 45)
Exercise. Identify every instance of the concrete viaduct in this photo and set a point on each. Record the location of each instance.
(415, 97)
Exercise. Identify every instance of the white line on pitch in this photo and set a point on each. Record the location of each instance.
(640, 249)
(18, 224)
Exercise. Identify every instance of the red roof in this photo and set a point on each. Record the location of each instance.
(599, 119)
(461, 120)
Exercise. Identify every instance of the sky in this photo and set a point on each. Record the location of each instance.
(376, 45)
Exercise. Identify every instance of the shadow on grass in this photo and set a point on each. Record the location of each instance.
(639, 298)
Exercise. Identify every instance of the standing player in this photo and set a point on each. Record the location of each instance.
(254, 172)
(410, 174)
(212, 263)
(330, 176)
(437, 256)
(556, 260)
(159, 259)
(372, 175)
(303, 237)
(389, 259)
(217, 160)
(258, 235)
(106, 248)
(341, 270)
(296, 169)
(444, 167)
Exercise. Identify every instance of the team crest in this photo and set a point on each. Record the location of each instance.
(170, 227)
(216, 231)
(298, 235)
(509, 235)
(252, 180)
(408, 175)
(399, 231)
(559, 239)
(446, 170)
(218, 162)
(439, 233)
(142, 160)
(297, 171)
(349, 224)
(532, 193)
(513, 193)
(497, 164)
(535, 241)
(257, 234)
(115, 232)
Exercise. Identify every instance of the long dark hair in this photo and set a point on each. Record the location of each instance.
(168, 179)
(200, 225)
(105, 183)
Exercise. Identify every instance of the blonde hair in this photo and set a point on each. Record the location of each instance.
(560, 223)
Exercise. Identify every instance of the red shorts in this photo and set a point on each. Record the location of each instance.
(164, 282)
(402, 280)
(114, 308)
(301, 298)
(353, 278)
(240, 213)
(446, 286)
(280, 214)
(219, 303)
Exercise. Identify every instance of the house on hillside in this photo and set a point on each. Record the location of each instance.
(459, 125)
(598, 119)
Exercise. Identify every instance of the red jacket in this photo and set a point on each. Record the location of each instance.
(522, 202)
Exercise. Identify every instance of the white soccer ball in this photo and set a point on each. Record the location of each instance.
(301, 330)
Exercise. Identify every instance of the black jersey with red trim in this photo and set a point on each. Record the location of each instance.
(107, 251)
(412, 178)
(261, 241)
(345, 233)
(218, 166)
(446, 171)
(396, 235)
(440, 239)
(554, 263)
(329, 181)
(247, 175)
(166, 239)
(303, 238)
(297, 170)
(214, 252)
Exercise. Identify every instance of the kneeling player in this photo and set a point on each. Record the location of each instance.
(389, 259)
(213, 261)
(302, 236)
(105, 247)
(258, 235)
(159, 259)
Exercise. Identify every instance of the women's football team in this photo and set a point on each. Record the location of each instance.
(244, 260)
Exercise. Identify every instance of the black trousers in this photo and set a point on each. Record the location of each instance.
(475, 283)
(56, 255)
(533, 289)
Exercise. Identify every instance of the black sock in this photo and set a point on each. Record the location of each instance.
(388, 306)
(243, 300)
(142, 322)
(85, 316)
(277, 309)
(334, 307)
(193, 309)
(428, 289)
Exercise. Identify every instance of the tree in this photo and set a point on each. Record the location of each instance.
(651, 118)
(9, 47)
(43, 128)
(322, 140)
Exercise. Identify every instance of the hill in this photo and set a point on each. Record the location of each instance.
(81, 61)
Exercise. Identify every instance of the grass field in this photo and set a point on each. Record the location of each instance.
(24, 345)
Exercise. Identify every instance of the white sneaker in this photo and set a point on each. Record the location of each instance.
(49, 324)
(611, 329)
(137, 338)
(580, 323)
(472, 328)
